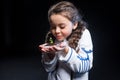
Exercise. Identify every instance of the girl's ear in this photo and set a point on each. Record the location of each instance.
(75, 25)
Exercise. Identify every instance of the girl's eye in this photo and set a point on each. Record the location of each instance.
(62, 26)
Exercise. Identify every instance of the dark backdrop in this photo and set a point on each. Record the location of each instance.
(24, 25)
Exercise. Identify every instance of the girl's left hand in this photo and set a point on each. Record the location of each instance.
(62, 46)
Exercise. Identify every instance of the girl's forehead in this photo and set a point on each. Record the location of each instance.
(56, 19)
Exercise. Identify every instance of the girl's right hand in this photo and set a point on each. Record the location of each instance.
(43, 48)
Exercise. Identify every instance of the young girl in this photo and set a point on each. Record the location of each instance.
(67, 53)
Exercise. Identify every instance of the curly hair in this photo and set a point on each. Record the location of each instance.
(68, 10)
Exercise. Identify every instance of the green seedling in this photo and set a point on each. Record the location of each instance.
(51, 40)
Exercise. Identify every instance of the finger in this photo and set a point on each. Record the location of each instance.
(42, 45)
(52, 49)
(57, 48)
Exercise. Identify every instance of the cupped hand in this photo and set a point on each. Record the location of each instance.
(53, 48)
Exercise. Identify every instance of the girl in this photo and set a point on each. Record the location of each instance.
(67, 53)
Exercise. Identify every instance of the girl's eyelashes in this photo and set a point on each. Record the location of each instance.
(61, 26)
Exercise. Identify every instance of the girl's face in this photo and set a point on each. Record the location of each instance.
(61, 27)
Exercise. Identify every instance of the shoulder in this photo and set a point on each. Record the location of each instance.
(86, 37)
(86, 33)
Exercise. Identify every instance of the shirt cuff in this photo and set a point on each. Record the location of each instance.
(51, 61)
(67, 57)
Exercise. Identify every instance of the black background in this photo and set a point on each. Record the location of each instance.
(24, 25)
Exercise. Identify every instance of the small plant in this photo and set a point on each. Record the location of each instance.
(51, 40)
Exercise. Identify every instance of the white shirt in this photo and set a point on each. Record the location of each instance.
(73, 66)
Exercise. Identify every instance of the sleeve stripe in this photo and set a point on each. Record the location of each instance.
(87, 51)
(84, 66)
(87, 58)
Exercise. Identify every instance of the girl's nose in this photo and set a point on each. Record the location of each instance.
(57, 30)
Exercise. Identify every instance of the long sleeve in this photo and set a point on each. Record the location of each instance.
(49, 65)
(82, 61)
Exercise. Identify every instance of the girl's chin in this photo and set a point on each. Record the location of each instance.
(60, 40)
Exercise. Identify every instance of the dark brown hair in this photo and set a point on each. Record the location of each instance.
(68, 10)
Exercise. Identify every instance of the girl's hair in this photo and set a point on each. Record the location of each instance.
(68, 10)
